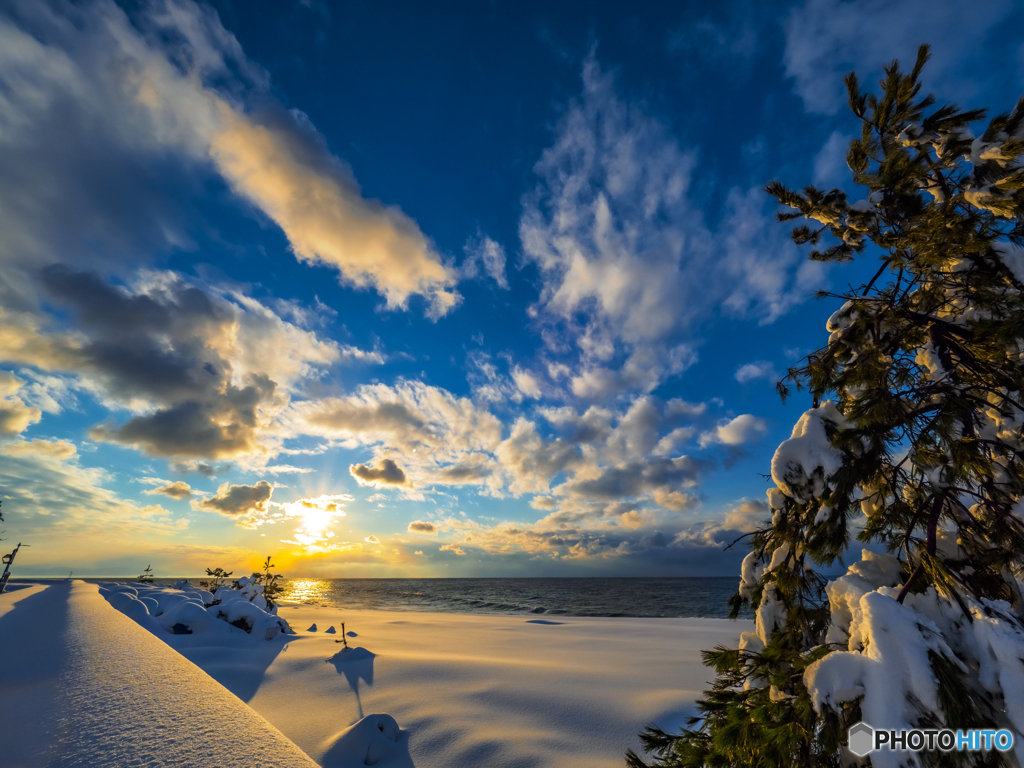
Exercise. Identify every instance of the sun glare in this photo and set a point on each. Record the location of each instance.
(315, 517)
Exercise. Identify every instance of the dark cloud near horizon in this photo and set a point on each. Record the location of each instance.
(392, 418)
(238, 500)
(178, 490)
(199, 467)
(461, 474)
(159, 344)
(385, 473)
(635, 479)
(419, 526)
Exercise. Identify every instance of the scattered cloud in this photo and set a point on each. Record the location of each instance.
(67, 504)
(760, 369)
(825, 39)
(385, 474)
(203, 369)
(186, 99)
(286, 469)
(185, 466)
(454, 549)
(735, 432)
(747, 516)
(629, 266)
(764, 274)
(54, 449)
(608, 228)
(177, 490)
(527, 383)
(419, 526)
(830, 168)
(283, 167)
(238, 500)
(485, 256)
(15, 416)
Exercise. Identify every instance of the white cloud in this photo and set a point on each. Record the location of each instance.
(767, 274)
(629, 265)
(610, 226)
(288, 173)
(286, 469)
(65, 504)
(526, 382)
(825, 39)
(759, 369)
(89, 93)
(739, 431)
(747, 516)
(830, 168)
(41, 448)
(15, 416)
(484, 255)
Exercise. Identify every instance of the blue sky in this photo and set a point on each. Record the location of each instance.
(389, 289)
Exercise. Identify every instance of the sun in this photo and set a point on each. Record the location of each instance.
(315, 516)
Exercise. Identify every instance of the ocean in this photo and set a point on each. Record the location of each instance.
(646, 597)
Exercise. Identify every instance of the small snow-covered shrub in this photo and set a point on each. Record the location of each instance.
(186, 609)
(245, 589)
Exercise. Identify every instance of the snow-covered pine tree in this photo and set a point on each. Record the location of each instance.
(913, 445)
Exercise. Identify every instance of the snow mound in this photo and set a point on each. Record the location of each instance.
(374, 740)
(803, 465)
(892, 650)
(186, 610)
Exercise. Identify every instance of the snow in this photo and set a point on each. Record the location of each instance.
(887, 666)
(1012, 256)
(770, 614)
(750, 574)
(82, 684)
(929, 359)
(187, 609)
(473, 690)
(367, 742)
(423, 689)
(886, 662)
(840, 320)
(803, 465)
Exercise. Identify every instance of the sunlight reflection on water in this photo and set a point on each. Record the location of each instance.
(305, 590)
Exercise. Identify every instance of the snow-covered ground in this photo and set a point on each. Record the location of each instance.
(83, 685)
(436, 690)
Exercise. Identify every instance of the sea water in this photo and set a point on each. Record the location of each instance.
(664, 597)
(649, 597)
